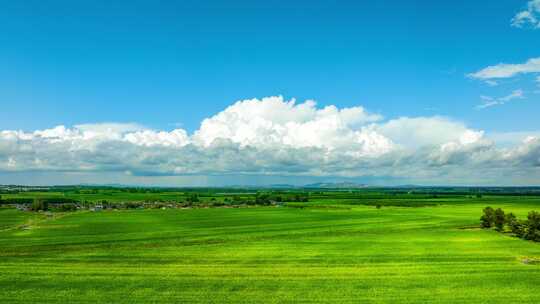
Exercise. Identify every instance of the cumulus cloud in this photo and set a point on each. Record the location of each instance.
(488, 101)
(510, 139)
(273, 136)
(424, 131)
(272, 122)
(530, 17)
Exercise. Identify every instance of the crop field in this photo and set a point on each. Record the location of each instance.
(422, 250)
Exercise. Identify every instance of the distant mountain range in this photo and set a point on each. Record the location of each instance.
(342, 185)
(326, 185)
(322, 185)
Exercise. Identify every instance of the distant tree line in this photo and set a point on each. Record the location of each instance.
(191, 200)
(29, 201)
(528, 229)
(266, 199)
(16, 200)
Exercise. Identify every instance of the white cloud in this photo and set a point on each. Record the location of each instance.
(175, 138)
(488, 101)
(491, 83)
(422, 131)
(509, 139)
(530, 17)
(516, 94)
(276, 137)
(272, 122)
(505, 70)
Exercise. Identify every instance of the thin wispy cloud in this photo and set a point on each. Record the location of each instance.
(506, 70)
(488, 101)
(491, 83)
(529, 17)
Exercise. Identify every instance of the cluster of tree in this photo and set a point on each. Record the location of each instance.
(60, 201)
(86, 191)
(264, 199)
(140, 190)
(67, 207)
(528, 229)
(191, 199)
(16, 201)
(39, 205)
(30, 201)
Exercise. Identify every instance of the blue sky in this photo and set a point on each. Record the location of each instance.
(171, 64)
(177, 61)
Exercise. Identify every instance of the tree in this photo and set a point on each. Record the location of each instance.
(193, 198)
(499, 219)
(488, 218)
(514, 224)
(262, 199)
(509, 219)
(39, 204)
(68, 207)
(533, 226)
(518, 228)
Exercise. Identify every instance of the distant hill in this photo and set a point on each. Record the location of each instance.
(282, 186)
(342, 185)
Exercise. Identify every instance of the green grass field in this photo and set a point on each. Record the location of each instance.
(327, 252)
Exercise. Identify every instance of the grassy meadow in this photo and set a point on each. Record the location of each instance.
(346, 250)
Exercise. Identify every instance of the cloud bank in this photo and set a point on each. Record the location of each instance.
(273, 136)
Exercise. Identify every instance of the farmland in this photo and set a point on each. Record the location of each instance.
(346, 247)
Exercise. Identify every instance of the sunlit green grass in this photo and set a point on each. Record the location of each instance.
(352, 254)
(11, 218)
